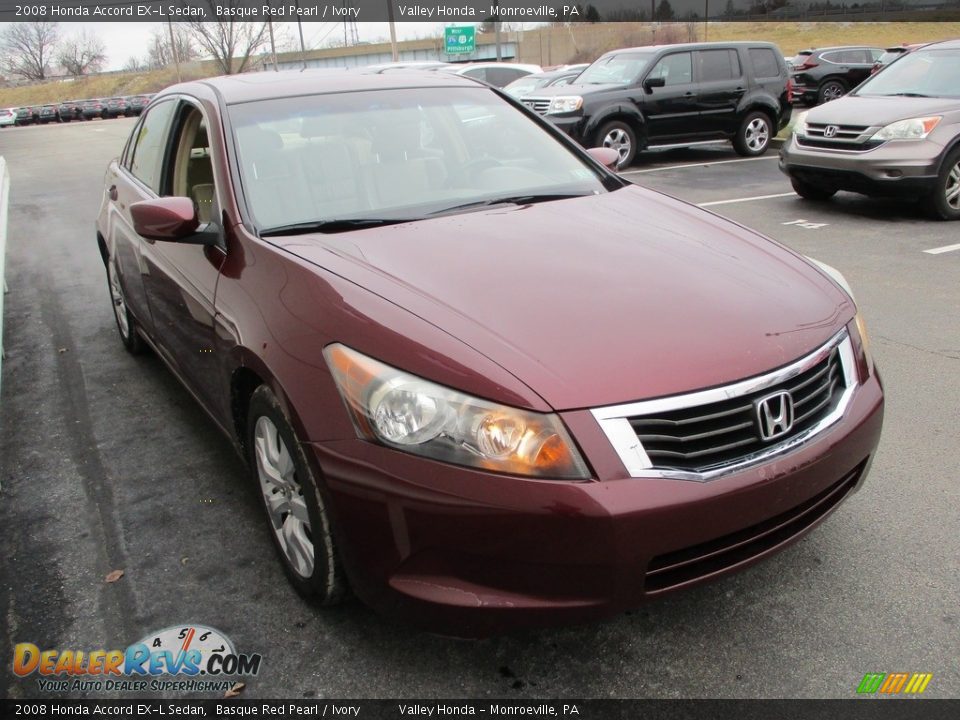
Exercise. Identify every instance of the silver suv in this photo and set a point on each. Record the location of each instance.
(897, 134)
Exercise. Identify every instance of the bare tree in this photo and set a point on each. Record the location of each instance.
(28, 47)
(134, 64)
(82, 54)
(231, 44)
(160, 52)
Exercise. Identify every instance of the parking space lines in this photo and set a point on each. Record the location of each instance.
(698, 164)
(944, 249)
(746, 199)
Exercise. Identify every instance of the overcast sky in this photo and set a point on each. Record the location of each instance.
(129, 39)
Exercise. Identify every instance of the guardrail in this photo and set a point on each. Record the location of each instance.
(4, 198)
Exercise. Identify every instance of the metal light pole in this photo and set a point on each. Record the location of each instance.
(393, 32)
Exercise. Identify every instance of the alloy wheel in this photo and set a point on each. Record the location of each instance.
(757, 134)
(119, 304)
(832, 92)
(617, 139)
(952, 189)
(283, 497)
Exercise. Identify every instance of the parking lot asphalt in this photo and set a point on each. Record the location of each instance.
(106, 463)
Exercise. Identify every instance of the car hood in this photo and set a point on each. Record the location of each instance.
(575, 89)
(857, 109)
(598, 300)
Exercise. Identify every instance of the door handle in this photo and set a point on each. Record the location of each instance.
(688, 94)
(113, 192)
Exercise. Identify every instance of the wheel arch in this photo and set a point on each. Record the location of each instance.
(624, 113)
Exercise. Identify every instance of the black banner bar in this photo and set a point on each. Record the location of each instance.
(477, 11)
(855, 709)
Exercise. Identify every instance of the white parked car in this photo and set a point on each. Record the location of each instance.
(496, 74)
(8, 116)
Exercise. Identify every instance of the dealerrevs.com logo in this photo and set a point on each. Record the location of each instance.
(190, 658)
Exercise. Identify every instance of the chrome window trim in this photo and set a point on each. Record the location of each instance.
(615, 424)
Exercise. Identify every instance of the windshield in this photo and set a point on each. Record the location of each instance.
(395, 155)
(622, 69)
(524, 86)
(924, 73)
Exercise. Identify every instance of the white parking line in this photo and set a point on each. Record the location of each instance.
(699, 164)
(944, 249)
(746, 199)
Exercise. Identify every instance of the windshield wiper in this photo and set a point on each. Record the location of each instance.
(909, 94)
(507, 200)
(330, 226)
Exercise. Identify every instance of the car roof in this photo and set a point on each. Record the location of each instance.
(690, 46)
(943, 45)
(250, 87)
(842, 47)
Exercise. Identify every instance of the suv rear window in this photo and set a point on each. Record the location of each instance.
(718, 65)
(764, 61)
(801, 58)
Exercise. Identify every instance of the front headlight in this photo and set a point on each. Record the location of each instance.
(417, 416)
(912, 129)
(864, 341)
(565, 104)
(800, 124)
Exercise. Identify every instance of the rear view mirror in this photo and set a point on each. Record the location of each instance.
(653, 82)
(172, 219)
(608, 157)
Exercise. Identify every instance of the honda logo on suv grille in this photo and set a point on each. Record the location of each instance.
(830, 130)
(774, 415)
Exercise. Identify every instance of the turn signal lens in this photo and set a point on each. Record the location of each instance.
(417, 416)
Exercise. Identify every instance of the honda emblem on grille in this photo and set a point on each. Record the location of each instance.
(830, 130)
(774, 415)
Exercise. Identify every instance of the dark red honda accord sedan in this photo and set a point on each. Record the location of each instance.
(477, 377)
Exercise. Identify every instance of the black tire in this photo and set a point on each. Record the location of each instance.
(126, 325)
(754, 135)
(944, 202)
(325, 582)
(830, 90)
(621, 137)
(812, 192)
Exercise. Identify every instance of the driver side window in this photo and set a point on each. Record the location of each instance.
(192, 167)
(676, 69)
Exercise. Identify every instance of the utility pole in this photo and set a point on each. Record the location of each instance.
(303, 50)
(173, 49)
(273, 47)
(496, 29)
(393, 32)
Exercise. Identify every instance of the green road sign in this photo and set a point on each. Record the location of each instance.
(459, 40)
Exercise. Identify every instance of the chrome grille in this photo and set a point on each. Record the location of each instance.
(855, 146)
(538, 105)
(703, 437)
(844, 132)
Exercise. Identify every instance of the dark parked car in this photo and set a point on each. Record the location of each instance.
(828, 73)
(69, 110)
(48, 113)
(24, 116)
(90, 109)
(553, 78)
(136, 104)
(114, 107)
(674, 95)
(898, 134)
(478, 449)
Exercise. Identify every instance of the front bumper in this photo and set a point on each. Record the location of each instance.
(894, 169)
(467, 552)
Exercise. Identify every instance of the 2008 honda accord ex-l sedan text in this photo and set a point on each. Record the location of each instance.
(477, 377)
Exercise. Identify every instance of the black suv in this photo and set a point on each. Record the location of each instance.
(674, 95)
(828, 73)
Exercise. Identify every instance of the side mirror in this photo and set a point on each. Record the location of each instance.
(650, 83)
(608, 157)
(172, 219)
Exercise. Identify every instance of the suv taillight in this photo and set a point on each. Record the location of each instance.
(789, 90)
(807, 65)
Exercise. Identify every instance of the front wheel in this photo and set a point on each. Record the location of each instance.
(753, 136)
(293, 502)
(812, 192)
(126, 325)
(944, 202)
(619, 136)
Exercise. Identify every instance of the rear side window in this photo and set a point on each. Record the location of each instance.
(149, 144)
(504, 76)
(718, 65)
(764, 62)
(476, 73)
